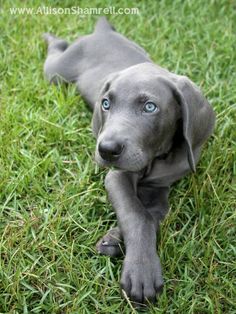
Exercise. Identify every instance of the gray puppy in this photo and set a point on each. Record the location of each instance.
(150, 126)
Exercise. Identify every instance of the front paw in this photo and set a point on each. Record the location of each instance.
(141, 278)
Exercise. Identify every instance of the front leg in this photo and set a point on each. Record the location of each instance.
(155, 201)
(141, 275)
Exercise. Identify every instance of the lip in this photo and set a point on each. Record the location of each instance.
(102, 162)
(113, 165)
(114, 158)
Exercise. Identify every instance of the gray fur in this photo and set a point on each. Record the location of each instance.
(157, 148)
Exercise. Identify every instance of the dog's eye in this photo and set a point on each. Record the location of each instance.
(150, 107)
(105, 104)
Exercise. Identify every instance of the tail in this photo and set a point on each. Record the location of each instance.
(103, 25)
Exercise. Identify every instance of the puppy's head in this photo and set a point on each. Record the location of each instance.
(136, 118)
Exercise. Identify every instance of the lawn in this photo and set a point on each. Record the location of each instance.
(53, 205)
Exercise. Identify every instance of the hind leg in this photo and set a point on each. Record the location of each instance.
(57, 67)
(55, 44)
(111, 243)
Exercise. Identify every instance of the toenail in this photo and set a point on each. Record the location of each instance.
(104, 243)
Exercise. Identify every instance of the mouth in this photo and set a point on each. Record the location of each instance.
(131, 162)
(108, 163)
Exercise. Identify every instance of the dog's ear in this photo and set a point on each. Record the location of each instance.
(197, 114)
(198, 118)
(97, 120)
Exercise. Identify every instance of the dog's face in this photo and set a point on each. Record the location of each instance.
(138, 118)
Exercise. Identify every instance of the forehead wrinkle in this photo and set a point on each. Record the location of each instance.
(111, 95)
(142, 97)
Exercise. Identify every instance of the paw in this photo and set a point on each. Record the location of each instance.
(110, 244)
(141, 279)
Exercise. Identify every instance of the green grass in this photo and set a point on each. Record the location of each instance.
(53, 206)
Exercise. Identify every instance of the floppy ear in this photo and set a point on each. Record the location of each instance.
(197, 115)
(97, 120)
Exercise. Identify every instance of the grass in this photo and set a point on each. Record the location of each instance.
(53, 206)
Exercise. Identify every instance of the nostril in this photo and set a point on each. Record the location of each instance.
(117, 149)
(110, 150)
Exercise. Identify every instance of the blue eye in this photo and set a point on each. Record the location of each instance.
(150, 107)
(105, 104)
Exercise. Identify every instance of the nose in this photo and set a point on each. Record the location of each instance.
(110, 150)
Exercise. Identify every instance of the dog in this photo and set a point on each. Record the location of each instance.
(150, 125)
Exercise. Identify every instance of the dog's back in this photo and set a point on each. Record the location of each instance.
(91, 58)
(104, 52)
